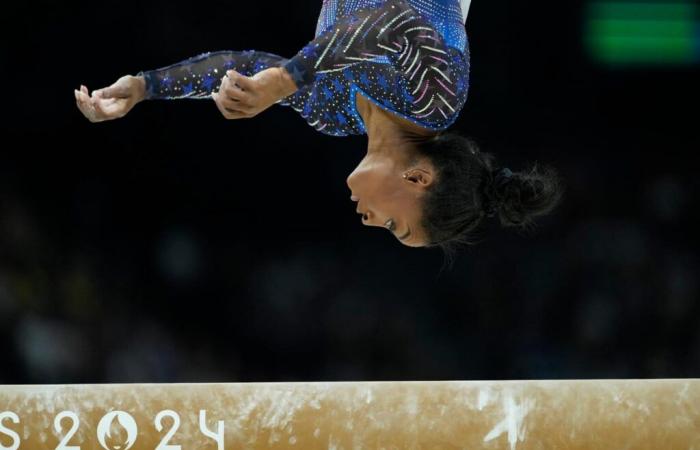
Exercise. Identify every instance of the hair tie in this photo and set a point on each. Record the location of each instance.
(503, 176)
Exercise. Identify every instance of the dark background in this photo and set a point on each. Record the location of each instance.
(176, 246)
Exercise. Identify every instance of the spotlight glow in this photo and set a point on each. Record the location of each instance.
(643, 33)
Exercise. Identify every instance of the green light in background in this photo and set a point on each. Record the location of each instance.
(643, 33)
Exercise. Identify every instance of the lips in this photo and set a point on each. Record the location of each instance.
(354, 198)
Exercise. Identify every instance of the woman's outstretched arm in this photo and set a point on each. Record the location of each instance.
(200, 77)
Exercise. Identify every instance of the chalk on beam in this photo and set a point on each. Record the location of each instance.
(522, 415)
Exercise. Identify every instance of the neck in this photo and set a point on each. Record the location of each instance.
(386, 131)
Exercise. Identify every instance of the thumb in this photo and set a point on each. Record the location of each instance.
(112, 92)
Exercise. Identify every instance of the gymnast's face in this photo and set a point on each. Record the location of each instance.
(385, 198)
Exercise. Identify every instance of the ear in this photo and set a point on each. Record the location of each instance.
(419, 177)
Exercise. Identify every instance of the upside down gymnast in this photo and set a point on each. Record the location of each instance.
(395, 70)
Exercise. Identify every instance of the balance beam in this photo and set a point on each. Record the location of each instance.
(522, 415)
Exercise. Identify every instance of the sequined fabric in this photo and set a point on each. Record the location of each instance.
(410, 57)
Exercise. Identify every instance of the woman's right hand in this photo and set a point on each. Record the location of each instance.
(112, 102)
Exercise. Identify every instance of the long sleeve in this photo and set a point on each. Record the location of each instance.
(199, 76)
(432, 76)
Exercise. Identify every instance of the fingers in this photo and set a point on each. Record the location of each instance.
(104, 93)
(86, 104)
(233, 98)
(229, 90)
(83, 103)
(248, 84)
(97, 104)
(82, 96)
(114, 91)
(231, 105)
(77, 99)
(228, 112)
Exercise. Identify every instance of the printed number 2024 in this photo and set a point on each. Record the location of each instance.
(103, 430)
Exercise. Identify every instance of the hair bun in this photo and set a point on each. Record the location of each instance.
(494, 190)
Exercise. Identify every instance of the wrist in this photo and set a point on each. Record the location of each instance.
(139, 87)
(288, 85)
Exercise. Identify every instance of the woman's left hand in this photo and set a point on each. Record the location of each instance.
(242, 97)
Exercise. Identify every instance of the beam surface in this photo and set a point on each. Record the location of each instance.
(522, 415)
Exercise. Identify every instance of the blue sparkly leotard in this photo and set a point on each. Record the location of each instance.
(410, 57)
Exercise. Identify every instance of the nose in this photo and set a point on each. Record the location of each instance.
(351, 181)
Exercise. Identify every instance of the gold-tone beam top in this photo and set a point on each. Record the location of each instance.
(522, 415)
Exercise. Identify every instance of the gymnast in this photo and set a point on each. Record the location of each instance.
(395, 70)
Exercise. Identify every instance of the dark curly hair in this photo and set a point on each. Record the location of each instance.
(470, 187)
